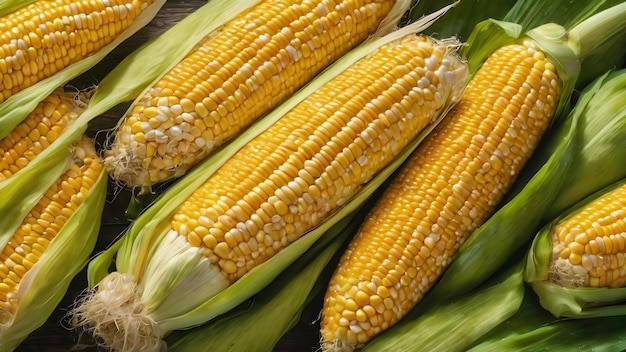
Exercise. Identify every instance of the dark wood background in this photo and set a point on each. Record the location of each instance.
(56, 335)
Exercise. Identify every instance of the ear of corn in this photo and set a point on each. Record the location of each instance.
(35, 154)
(577, 263)
(50, 246)
(445, 190)
(28, 78)
(489, 246)
(193, 271)
(231, 78)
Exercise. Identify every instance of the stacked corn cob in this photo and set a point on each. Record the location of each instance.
(257, 204)
(277, 187)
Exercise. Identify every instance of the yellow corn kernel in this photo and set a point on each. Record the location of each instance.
(31, 239)
(447, 188)
(231, 79)
(597, 232)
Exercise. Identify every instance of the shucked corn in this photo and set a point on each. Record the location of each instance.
(446, 189)
(233, 77)
(280, 185)
(46, 36)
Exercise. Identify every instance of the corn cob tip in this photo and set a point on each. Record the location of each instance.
(113, 311)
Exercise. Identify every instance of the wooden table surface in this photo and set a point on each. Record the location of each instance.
(55, 335)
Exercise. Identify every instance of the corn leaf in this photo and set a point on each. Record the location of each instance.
(534, 329)
(18, 106)
(578, 302)
(603, 146)
(461, 20)
(533, 13)
(455, 325)
(45, 284)
(281, 302)
(505, 231)
(138, 243)
(7, 6)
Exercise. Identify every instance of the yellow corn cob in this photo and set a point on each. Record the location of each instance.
(43, 222)
(447, 188)
(282, 183)
(46, 36)
(231, 79)
(40, 128)
(315, 158)
(589, 247)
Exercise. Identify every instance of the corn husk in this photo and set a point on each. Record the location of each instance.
(45, 284)
(573, 302)
(281, 302)
(461, 20)
(135, 250)
(467, 319)
(533, 329)
(18, 106)
(506, 231)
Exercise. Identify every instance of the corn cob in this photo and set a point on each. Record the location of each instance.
(44, 37)
(40, 129)
(34, 260)
(446, 189)
(284, 182)
(233, 77)
(590, 245)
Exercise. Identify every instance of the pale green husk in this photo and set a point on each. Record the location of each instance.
(18, 106)
(458, 324)
(45, 284)
(280, 303)
(506, 230)
(136, 248)
(574, 302)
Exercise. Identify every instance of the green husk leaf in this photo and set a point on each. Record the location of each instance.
(461, 20)
(531, 14)
(456, 325)
(603, 146)
(505, 231)
(281, 302)
(18, 106)
(575, 302)
(7, 6)
(534, 329)
(45, 284)
(138, 243)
